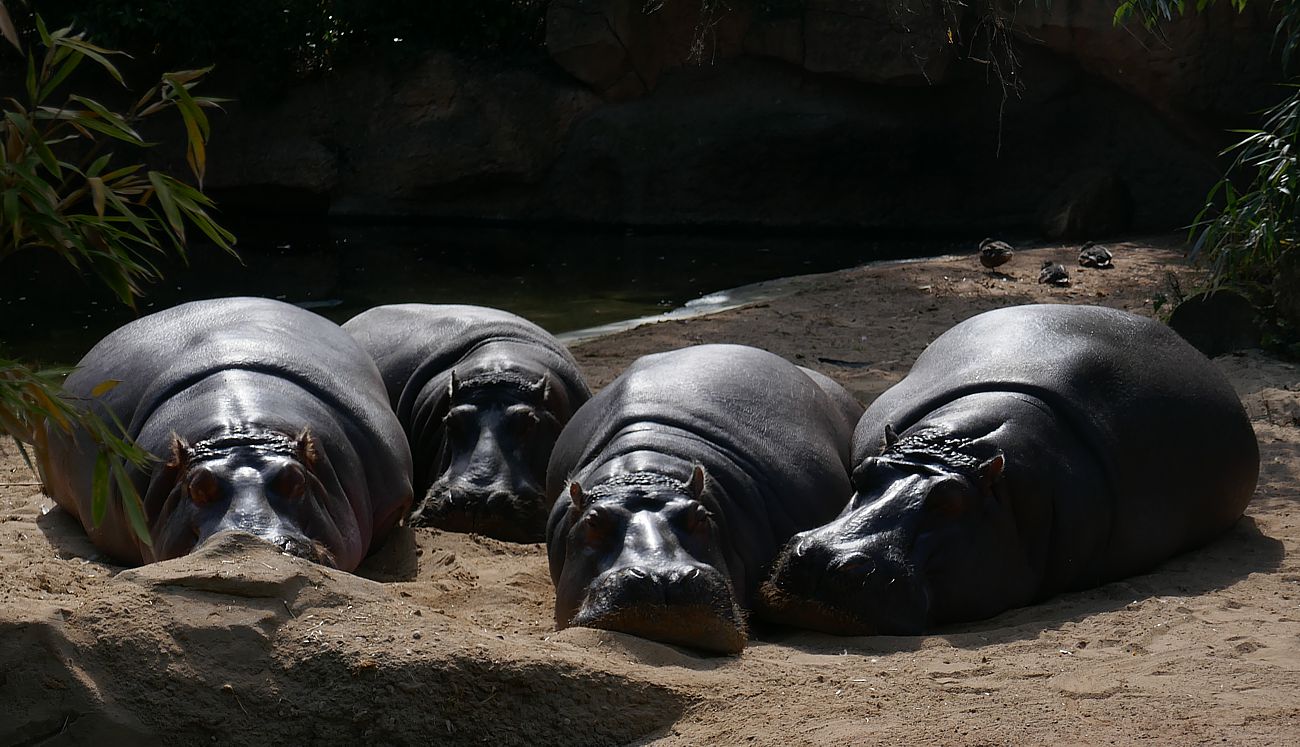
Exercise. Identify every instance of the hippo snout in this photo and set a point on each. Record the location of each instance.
(844, 590)
(688, 605)
(514, 515)
(297, 545)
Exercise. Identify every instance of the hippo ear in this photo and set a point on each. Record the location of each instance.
(181, 453)
(307, 449)
(577, 498)
(695, 485)
(543, 386)
(891, 438)
(452, 385)
(991, 471)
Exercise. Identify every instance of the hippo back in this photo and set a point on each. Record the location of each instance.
(1178, 452)
(412, 343)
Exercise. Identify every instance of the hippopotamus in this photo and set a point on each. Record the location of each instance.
(264, 418)
(482, 395)
(676, 485)
(1030, 451)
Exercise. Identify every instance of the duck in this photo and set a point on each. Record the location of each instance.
(1054, 273)
(1095, 255)
(994, 253)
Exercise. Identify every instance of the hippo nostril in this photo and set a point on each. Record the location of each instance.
(856, 563)
(637, 573)
(691, 574)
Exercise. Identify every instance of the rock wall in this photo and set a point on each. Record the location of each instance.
(851, 114)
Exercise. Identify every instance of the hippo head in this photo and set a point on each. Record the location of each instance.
(641, 554)
(489, 472)
(926, 538)
(265, 484)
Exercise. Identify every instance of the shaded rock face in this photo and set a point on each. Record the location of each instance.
(1217, 322)
(1092, 202)
(836, 113)
(431, 139)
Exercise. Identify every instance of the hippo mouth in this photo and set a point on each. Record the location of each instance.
(694, 608)
(778, 606)
(840, 601)
(298, 547)
(695, 626)
(505, 518)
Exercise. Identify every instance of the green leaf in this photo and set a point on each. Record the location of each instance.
(68, 66)
(94, 53)
(132, 503)
(97, 194)
(99, 489)
(162, 187)
(99, 164)
(40, 29)
(31, 79)
(8, 30)
(110, 118)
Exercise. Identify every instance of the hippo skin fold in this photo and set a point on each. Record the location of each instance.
(1031, 450)
(264, 418)
(676, 485)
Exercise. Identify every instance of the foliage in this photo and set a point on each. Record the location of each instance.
(62, 191)
(280, 39)
(1247, 235)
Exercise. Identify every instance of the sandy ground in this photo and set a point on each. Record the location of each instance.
(448, 639)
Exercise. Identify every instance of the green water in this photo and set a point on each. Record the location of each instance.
(563, 280)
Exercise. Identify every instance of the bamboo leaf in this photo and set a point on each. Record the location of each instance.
(45, 35)
(99, 489)
(132, 503)
(109, 117)
(8, 30)
(68, 66)
(163, 189)
(97, 194)
(94, 53)
(31, 79)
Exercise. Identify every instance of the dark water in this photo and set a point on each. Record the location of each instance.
(562, 280)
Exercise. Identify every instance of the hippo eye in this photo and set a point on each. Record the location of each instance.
(866, 476)
(697, 518)
(203, 487)
(522, 420)
(457, 422)
(948, 500)
(598, 524)
(290, 482)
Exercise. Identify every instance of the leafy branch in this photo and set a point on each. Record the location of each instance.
(62, 191)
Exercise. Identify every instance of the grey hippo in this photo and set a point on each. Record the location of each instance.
(1031, 450)
(678, 483)
(264, 418)
(482, 395)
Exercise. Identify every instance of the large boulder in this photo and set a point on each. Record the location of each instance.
(433, 138)
(620, 48)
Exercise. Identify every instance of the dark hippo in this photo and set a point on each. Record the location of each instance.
(678, 483)
(1039, 449)
(482, 395)
(267, 419)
